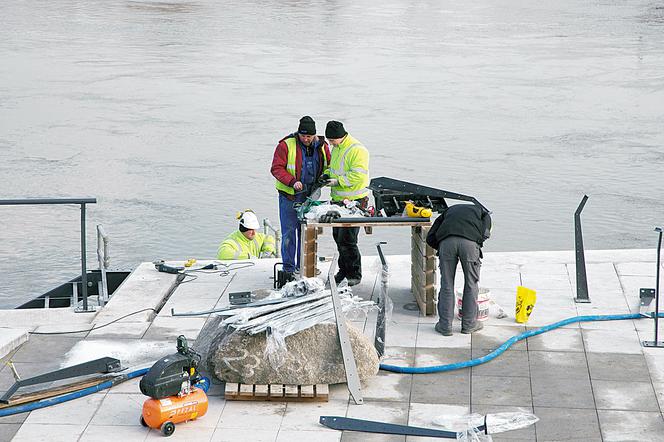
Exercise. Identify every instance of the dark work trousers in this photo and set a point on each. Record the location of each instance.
(451, 250)
(350, 260)
(290, 235)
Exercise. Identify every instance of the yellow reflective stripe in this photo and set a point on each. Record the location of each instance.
(238, 246)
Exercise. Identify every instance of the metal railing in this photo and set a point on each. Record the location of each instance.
(59, 201)
(267, 228)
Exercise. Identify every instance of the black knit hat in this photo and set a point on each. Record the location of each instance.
(307, 126)
(335, 129)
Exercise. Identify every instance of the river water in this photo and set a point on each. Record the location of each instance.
(168, 113)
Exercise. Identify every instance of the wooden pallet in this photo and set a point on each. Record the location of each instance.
(277, 392)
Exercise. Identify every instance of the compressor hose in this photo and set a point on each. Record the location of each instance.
(24, 408)
(514, 339)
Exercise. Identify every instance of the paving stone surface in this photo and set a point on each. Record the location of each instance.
(586, 382)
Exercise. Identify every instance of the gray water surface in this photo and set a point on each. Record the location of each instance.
(168, 114)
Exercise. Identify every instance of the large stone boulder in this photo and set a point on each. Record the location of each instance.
(311, 356)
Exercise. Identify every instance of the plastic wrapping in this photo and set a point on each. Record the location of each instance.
(315, 213)
(311, 304)
(501, 422)
(467, 426)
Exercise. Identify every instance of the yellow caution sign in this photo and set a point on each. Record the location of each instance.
(525, 303)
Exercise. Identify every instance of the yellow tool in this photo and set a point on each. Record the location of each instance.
(414, 211)
(190, 262)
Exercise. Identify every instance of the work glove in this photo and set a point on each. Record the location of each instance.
(332, 182)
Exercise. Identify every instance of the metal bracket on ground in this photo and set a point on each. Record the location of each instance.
(581, 277)
(352, 378)
(350, 424)
(101, 365)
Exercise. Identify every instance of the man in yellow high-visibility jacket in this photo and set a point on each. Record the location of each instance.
(246, 242)
(349, 178)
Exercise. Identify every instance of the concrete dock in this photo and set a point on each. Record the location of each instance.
(590, 381)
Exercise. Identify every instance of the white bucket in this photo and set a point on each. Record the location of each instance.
(483, 301)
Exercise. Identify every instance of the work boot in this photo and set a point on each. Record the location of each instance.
(338, 278)
(477, 327)
(443, 331)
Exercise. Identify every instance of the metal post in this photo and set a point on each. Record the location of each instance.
(655, 342)
(581, 277)
(379, 339)
(84, 272)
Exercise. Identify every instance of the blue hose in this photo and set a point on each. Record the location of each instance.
(24, 408)
(510, 341)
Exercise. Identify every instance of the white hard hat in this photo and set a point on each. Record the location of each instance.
(249, 220)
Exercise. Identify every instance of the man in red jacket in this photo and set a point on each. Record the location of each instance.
(299, 160)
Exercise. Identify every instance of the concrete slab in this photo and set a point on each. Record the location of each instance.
(145, 288)
(618, 367)
(8, 431)
(308, 436)
(620, 426)
(425, 357)
(11, 339)
(78, 412)
(254, 415)
(242, 435)
(560, 339)
(555, 392)
(558, 364)
(183, 431)
(611, 341)
(623, 395)
(119, 409)
(501, 390)
(303, 416)
(388, 386)
(401, 335)
(557, 424)
(492, 337)
(170, 328)
(44, 348)
(121, 330)
(101, 433)
(442, 388)
(428, 337)
(510, 363)
(48, 433)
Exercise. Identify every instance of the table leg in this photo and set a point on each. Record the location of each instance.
(308, 252)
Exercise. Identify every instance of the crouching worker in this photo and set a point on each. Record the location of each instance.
(247, 242)
(458, 234)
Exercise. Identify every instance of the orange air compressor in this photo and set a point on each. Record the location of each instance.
(176, 390)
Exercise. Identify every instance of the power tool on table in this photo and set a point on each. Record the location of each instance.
(161, 266)
(414, 211)
(176, 388)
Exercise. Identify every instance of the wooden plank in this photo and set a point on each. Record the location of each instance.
(232, 389)
(322, 391)
(307, 391)
(261, 390)
(276, 391)
(33, 396)
(291, 391)
(246, 390)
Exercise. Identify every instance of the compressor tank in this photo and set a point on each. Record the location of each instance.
(175, 409)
